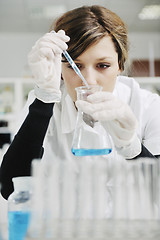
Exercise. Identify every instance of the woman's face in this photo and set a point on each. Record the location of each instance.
(98, 64)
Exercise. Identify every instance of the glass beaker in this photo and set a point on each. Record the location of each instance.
(90, 138)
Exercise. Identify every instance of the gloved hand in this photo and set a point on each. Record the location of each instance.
(45, 63)
(117, 118)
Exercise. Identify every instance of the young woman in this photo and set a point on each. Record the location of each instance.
(96, 39)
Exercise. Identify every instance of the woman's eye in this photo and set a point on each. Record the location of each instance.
(79, 65)
(103, 65)
(69, 66)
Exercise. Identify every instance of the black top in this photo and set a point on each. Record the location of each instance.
(28, 145)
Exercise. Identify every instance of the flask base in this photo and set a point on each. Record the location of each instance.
(90, 152)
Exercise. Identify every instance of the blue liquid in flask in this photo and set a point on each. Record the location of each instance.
(91, 152)
(18, 224)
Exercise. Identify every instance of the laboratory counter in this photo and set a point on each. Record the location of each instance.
(103, 229)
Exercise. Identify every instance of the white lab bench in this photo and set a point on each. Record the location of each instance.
(112, 230)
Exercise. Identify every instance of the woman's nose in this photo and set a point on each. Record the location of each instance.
(90, 77)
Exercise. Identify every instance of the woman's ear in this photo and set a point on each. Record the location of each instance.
(119, 71)
(119, 68)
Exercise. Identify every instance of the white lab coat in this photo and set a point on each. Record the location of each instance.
(144, 104)
(58, 140)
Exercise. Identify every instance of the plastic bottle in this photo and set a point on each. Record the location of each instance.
(19, 208)
(89, 137)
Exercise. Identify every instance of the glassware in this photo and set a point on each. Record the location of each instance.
(136, 189)
(90, 138)
(68, 202)
(19, 203)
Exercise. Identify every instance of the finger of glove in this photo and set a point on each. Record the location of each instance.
(46, 49)
(49, 40)
(104, 100)
(44, 52)
(99, 111)
(52, 43)
(108, 111)
(100, 97)
(56, 38)
(61, 34)
(51, 37)
(97, 106)
(112, 105)
(113, 111)
(52, 48)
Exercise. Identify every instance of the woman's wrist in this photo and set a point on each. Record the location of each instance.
(132, 150)
(46, 96)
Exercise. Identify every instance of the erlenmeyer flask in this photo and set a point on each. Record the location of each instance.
(90, 138)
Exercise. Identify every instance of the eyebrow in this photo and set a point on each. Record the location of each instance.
(97, 59)
(103, 58)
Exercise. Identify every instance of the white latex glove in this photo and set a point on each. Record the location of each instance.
(117, 118)
(45, 63)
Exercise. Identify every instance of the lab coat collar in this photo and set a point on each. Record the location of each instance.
(68, 114)
(122, 90)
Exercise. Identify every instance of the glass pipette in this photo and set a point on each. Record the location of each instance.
(74, 66)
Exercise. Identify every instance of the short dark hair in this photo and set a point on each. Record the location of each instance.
(88, 24)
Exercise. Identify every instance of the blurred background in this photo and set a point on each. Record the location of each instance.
(22, 22)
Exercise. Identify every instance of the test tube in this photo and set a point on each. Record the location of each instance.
(100, 197)
(52, 203)
(147, 184)
(68, 198)
(36, 226)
